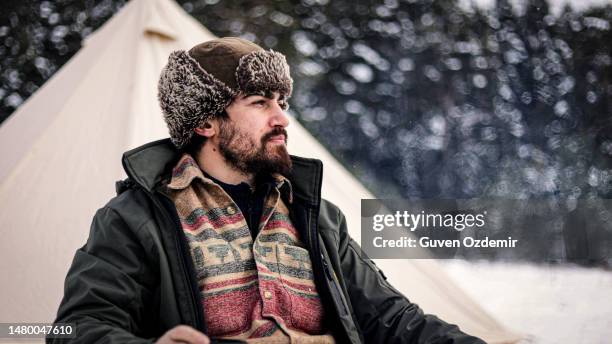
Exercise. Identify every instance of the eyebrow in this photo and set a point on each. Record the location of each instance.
(268, 95)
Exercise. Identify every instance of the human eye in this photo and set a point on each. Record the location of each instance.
(259, 102)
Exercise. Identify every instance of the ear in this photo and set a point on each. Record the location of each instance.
(208, 129)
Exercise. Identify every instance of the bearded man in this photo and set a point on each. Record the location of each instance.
(218, 234)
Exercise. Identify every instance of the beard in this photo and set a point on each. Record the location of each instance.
(244, 153)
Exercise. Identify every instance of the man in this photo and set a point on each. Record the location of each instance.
(219, 235)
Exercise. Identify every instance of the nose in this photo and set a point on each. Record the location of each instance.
(279, 117)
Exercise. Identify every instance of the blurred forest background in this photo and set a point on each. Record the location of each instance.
(418, 98)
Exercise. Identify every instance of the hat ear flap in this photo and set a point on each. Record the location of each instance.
(188, 96)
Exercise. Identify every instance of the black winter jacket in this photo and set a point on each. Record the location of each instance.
(133, 280)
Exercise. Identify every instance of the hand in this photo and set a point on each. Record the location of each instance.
(183, 334)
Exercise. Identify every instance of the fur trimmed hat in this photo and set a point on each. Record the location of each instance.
(198, 85)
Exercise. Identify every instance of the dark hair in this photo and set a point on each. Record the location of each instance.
(197, 141)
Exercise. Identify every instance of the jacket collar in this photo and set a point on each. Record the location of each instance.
(150, 166)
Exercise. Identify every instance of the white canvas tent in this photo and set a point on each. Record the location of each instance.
(61, 155)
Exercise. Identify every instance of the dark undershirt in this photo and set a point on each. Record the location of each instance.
(249, 202)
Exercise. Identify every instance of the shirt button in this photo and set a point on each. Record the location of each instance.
(231, 210)
(268, 294)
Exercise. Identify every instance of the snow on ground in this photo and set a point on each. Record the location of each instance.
(550, 304)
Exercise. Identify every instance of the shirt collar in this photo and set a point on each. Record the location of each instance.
(184, 172)
(187, 169)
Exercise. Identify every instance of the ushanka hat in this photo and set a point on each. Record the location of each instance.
(197, 85)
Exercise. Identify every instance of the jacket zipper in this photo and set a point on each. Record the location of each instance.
(319, 259)
(321, 262)
(332, 281)
(199, 323)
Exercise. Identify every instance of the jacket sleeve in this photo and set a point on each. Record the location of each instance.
(108, 286)
(383, 313)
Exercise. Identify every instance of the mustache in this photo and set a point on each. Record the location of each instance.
(276, 131)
